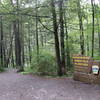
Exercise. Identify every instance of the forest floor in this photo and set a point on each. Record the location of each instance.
(15, 86)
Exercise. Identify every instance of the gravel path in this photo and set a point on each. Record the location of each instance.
(14, 86)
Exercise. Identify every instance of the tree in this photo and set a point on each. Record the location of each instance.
(81, 28)
(93, 13)
(37, 41)
(55, 28)
(61, 15)
(1, 43)
(18, 40)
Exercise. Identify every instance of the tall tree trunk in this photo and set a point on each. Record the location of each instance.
(22, 43)
(1, 43)
(55, 27)
(62, 36)
(37, 39)
(81, 28)
(29, 43)
(17, 44)
(67, 42)
(18, 41)
(10, 51)
(92, 4)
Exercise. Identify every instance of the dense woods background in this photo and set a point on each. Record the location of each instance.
(41, 36)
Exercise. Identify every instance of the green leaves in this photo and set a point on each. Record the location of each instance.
(44, 63)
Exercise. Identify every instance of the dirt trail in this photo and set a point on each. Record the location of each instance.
(14, 86)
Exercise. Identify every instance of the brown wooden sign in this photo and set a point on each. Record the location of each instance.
(82, 63)
(83, 66)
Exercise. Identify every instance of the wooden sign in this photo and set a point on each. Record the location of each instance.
(86, 69)
(82, 63)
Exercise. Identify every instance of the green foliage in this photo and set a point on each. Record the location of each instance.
(97, 58)
(2, 69)
(43, 64)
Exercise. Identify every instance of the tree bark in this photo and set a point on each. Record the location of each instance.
(92, 4)
(55, 27)
(29, 43)
(1, 43)
(67, 42)
(22, 43)
(37, 39)
(81, 28)
(62, 36)
(10, 51)
(17, 44)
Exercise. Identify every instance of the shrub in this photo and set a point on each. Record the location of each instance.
(44, 63)
(2, 69)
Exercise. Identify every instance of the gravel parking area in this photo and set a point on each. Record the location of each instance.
(15, 86)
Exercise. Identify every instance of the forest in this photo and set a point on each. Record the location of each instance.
(41, 36)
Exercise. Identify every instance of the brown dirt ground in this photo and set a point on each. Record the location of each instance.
(14, 86)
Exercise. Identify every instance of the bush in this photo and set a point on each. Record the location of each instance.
(2, 69)
(97, 58)
(44, 63)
